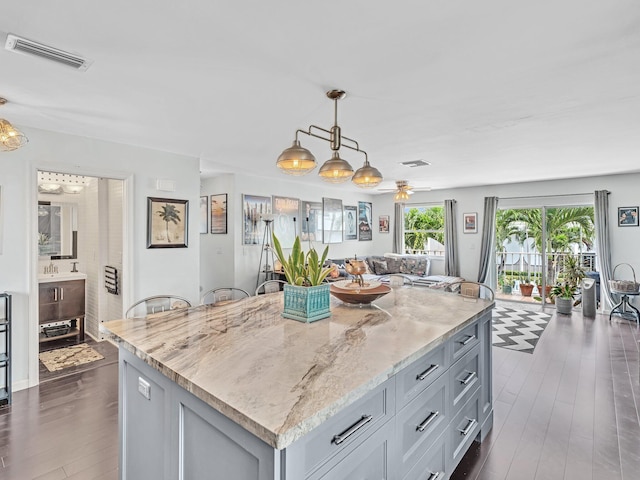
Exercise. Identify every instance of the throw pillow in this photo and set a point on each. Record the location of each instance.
(380, 267)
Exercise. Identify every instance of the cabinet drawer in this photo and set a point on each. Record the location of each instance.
(432, 465)
(421, 422)
(348, 428)
(465, 378)
(464, 340)
(420, 374)
(372, 459)
(463, 430)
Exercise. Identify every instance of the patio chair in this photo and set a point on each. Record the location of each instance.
(156, 304)
(223, 296)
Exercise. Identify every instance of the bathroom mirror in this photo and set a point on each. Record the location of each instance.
(57, 230)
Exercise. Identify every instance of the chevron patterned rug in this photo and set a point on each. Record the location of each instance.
(518, 329)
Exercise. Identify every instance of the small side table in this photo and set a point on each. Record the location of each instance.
(621, 308)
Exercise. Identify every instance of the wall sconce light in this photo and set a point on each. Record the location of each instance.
(10, 137)
(297, 160)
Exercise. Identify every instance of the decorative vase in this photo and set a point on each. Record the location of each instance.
(306, 304)
(564, 305)
(506, 289)
(526, 289)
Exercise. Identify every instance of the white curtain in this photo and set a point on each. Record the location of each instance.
(450, 239)
(398, 228)
(601, 201)
(487, 247)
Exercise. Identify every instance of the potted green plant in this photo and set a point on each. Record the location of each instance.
(563, 294)
(526, 287)
(505, 284)
(306, 296)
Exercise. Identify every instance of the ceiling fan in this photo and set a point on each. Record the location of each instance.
(403, 190)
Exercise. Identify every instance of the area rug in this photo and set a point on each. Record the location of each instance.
(518, 329)
(71, 356)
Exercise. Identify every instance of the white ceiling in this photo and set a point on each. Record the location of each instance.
(490, 91)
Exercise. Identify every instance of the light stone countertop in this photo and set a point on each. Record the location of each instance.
(280, 378)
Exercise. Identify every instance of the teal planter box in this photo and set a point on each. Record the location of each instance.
(306, 304)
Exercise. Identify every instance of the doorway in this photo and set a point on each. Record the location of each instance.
(536, 245)
(80, 263)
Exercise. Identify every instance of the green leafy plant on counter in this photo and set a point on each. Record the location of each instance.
(306, 270)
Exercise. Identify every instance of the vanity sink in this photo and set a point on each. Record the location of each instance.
(60, 277)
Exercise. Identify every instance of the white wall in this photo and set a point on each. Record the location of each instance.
(226, 262)
(623, 188)
(154, 271)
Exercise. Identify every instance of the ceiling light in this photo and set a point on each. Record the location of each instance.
(74, 189)
(49, 188)
(297, 160)
(401, 196)
(10, 137)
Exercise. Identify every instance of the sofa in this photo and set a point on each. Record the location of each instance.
(415, 267)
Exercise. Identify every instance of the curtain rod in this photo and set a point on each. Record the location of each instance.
(548, 196)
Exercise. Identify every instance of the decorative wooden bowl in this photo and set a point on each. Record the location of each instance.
(359, 296)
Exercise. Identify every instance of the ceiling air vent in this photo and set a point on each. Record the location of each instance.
(29, 47)
(415, 163)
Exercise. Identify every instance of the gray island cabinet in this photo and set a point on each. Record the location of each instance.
(396, 390)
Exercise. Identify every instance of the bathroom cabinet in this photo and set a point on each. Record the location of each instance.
(5, 349)
(62, 309)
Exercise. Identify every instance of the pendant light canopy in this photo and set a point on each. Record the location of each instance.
(10, 137)
(297, 160)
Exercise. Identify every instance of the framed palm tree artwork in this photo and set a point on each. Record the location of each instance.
(167, 222)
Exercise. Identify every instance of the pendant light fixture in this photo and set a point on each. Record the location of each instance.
(297, 160)
(10, 137)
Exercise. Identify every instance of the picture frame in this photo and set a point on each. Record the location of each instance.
(627, 216)
(218, 210)
(350, 216)
(167, 223)
(254, 209)
(332, 226)
(383, 224)
(365, 232)
(311, 222)
(286, 213)
(204, 214)
(470, 222)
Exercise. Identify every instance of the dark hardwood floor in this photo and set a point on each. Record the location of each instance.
(567, 411)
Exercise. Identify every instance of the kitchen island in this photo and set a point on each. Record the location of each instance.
(396, 390)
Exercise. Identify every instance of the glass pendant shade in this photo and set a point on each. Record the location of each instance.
(401, 196)
(367, 176)
(336, 170)
(10, 137)
(296, 160)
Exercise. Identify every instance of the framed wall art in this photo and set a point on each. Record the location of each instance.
(167, 223)
(331, 220)
(470, 222)
(254, 208)
(627, 216)
(311, 222)
(364, 221)
(286, 216)
(219, 213)
(383, 223)
(204, 214)
(350, 217)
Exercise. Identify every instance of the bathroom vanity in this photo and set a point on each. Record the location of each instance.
(396, 390)
(61, 306)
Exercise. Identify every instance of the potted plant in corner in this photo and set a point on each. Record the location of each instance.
(505, 284)
(306, 296)
(526, 287)
(563, 294)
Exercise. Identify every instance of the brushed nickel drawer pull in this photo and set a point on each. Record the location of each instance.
(470, 426)
(61, 293)
(469, 339)
(55, 294)
(427, 372)
(341, 437)
(466, 380)
(427, 421)
(435, 476)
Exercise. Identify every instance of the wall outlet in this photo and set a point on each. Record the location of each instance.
(144, 388)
